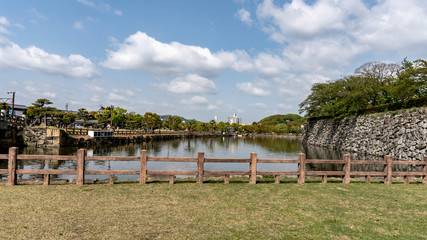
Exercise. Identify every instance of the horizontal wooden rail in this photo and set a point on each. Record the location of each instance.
(200, 160)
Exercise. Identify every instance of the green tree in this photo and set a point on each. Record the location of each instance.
(151, 121)
(173, 123)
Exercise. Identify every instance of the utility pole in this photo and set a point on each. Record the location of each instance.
(13, 102)
(111, 120)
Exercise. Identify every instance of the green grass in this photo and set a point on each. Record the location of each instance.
(214, 210)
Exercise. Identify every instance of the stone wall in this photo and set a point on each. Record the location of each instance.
(43, 137)
(400, 134)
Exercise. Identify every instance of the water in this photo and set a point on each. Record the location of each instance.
(222, 147)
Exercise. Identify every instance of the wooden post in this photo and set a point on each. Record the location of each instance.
(368, 179)
(346, 168)
(252, 166)
(143, 167)
(200, 167)
(276, 179)
(227, 179)
(81, 155)
(112, 176)
(388, 170)
(11, 170)
(301, 168)
(46, 181)
(325, 179)
(406, 179)
(425, 170)
(171, 179)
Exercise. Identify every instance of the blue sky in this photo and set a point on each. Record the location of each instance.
(198, 58)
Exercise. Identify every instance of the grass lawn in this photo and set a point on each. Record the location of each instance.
(214, 210)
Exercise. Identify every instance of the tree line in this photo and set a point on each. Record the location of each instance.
(374, 87)
(41, 113)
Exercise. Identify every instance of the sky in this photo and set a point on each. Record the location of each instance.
(197, 59)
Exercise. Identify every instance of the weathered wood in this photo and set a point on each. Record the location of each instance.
(324, 178)
(200, 167)
(221, 173)
(166, 159)
(368, 179)
(407, 173)
(425, 170)
(227, 160)
(112, 176)
(143, 167)
(171, 179)
(46, 180)
(4, 171)
(227, 179)
(109, 172)
(288, 173)
(321, 161)
(388, 170)
(4, 156)
(277, 160)
(111, 158)
(406, 179)
(81, 154)
(327, 173)
(346, 169)
(168, 173)
(277, 179)
(409, 163)
(47, 157)
(366, 162)
(301, 168)
(12, 166)
(368, 173)
(252, 168)
(46, 171)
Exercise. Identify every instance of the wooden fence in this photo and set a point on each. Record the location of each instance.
(252, 172)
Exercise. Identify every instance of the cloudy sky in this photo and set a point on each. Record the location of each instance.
(197, 58)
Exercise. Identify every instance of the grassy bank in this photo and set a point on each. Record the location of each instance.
(215, 211)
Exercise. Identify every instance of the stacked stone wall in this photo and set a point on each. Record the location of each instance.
(400, 134)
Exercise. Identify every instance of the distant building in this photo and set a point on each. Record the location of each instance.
(234, 119)
(216, 119)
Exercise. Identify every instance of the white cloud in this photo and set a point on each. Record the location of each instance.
(4, 21)
(250, 89)
(78, 25)
(258, 105)
(49, 94)
(198, 100)
(244, 16)
(37, 60)
(142, 52)
(116, 97)
(103, 7)
(191, 83)
(38, 14)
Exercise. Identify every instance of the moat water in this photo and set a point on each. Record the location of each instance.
(218, 147)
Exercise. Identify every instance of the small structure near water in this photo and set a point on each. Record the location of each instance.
(100, 133)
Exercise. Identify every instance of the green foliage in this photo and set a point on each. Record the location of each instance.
(374, 87)
(289, 123)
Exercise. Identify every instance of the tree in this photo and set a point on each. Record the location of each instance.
(151, 121)
(39, 110)
(173, 123)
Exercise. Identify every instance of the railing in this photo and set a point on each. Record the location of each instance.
(121, 132)
(252, 172)
(15, 120)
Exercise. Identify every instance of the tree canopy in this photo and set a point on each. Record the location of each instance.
(373, 87)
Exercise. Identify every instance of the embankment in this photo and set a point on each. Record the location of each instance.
(53, 137)
(400, 134)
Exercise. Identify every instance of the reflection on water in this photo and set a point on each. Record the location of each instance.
(223, 147)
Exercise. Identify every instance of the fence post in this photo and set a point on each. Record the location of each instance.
(301, 168)
(253, 163)
(143, 167)
(11, 177)
(200, 166)
(347, 167)
(81, 157)
(425, 170)
(227, 179)
(46, 181)
(388, 169)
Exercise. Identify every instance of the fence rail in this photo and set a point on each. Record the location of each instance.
(252, 172)
(120, 132)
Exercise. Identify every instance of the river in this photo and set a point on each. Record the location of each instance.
(218, 147)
